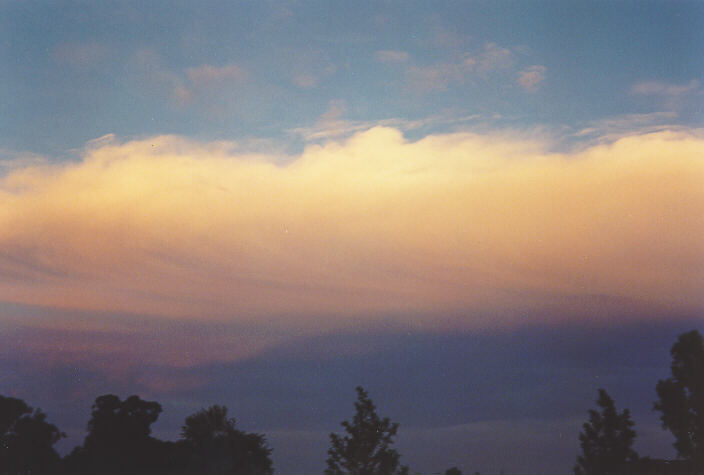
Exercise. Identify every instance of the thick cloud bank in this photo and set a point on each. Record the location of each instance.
(481, 228)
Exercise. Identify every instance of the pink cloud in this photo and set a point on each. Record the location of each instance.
(531, 77)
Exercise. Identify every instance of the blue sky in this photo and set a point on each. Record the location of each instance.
(482, 212)
(75, 71)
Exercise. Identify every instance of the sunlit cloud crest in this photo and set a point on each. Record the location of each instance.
(374, 226)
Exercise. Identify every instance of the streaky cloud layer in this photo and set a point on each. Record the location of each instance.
(485, 228)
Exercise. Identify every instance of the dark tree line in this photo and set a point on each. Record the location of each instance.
(607, 438)
(119, 440)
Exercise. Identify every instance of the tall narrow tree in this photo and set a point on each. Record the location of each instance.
(366, 450)
(606, 440)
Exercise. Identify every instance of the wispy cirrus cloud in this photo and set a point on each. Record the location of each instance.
(610, 128)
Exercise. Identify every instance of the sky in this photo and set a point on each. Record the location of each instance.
(482, 212)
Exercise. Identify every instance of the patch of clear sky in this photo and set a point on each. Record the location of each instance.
(593, 53)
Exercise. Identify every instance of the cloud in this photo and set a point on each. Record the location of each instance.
(656, 88)
(493, 57)
(309, 76)
(391, 56)
(307, 67)
(478, 228)
(611, 128)
(332, 125)
(11, 160)
(531, 77)
(154, 76)
(672, 96)
(305, 80)
(46, 339)
(205, 83)
(181, 95)
(438, 77)
(208, 75)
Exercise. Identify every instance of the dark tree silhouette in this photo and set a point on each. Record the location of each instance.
(119, 443)
(207, 425)
(118, 440)
(26, 440)
(606, 440)
(217, 447)
(453, 471)
(681, 398)
(366, 449)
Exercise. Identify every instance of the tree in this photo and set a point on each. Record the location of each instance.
(606, 440)
(207, 425)
(26, 439)
(366, 450)
(453, 471)
(681, 398)
(118, 439)
(217, 447)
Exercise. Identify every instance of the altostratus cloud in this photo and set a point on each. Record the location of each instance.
(376, 226)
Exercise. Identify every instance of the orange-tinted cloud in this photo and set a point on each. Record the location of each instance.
(481, 226)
